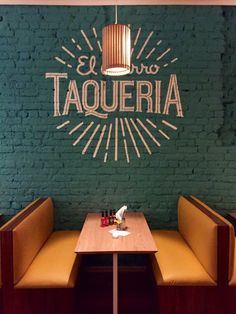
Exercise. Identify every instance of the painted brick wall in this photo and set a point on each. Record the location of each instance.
(36, 159)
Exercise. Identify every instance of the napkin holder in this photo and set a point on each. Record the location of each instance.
(120, 218)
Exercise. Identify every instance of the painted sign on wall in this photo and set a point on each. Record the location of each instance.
(118, 119)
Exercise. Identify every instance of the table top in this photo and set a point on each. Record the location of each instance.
(96, 239)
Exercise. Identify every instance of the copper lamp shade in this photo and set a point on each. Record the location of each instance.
(116, 50)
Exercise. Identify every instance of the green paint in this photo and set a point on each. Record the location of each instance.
(36, 159)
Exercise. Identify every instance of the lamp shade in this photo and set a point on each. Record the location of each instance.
(116, 49)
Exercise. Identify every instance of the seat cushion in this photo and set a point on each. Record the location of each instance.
(55, 265)
(175, 263)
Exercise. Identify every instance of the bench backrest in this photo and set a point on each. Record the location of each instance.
(200, 232)
(11, 221)
(23, 236)
(231, 240)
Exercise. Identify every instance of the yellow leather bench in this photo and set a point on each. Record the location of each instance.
(34, 256)
(189, 256)
(41, 258)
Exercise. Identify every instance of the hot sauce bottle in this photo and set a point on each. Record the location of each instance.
(103, 220)
(106, 218)
(111, 221)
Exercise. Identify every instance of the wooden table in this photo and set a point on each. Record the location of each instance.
(95, 239)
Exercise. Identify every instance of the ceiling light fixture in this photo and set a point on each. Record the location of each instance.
(116, 49)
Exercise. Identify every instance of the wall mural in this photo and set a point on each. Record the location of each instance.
(118, 121)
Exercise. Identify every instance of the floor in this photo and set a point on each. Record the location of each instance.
(95, 292)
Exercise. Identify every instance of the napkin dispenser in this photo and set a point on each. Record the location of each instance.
(120, 218)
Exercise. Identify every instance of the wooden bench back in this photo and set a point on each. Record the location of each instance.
(22, 237)
(226, 240)
(203, 233)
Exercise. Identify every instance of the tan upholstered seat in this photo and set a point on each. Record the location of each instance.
(55, 265)
(175, 263)
(187, 256)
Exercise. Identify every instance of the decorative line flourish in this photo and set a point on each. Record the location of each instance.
(144, 45)
(60, 60)
(96, 114)
(151, 123)
(124, 139)
(149, 133)
(151, 52)
(141, 137)
(68, 52)
(77, 45)
(159, 42)
(90, 139)
(99, 141)
(87, 40)
(169, 125)
(164, 134)
(96, 36)
(116, 140)
(174, 60)
(136, 40)
(83, 134)
(163, 54)
(108, 142)
(76, 128)
(63, 124)
(132, 138)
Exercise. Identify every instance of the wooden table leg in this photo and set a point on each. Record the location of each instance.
(115, 283)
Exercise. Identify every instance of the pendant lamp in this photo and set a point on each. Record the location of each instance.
(116, 49)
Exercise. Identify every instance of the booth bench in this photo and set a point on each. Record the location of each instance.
(38, 265)
(193, 265)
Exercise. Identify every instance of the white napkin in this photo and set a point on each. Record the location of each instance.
(119, 233)
(121, 212)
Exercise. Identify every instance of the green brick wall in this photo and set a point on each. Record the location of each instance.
(37, 159)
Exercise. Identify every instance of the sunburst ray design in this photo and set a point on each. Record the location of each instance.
(150, 53)
(99, 141)
(144, 45)
(164, 134)
(174, 60)
(87, 40)
(63, 62)
(132, 137)
(148, 132)
(83, 134)
(125, 130)
(63, 124)
(108, 142)
(141, 137)
(68, 52)
(90, 139)
(116, 139)
(124, 139)
(96, 36)
(136, 40)
(151, 123)
(76, 128)
(169, 125)
(163, 54)
(76, 44)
